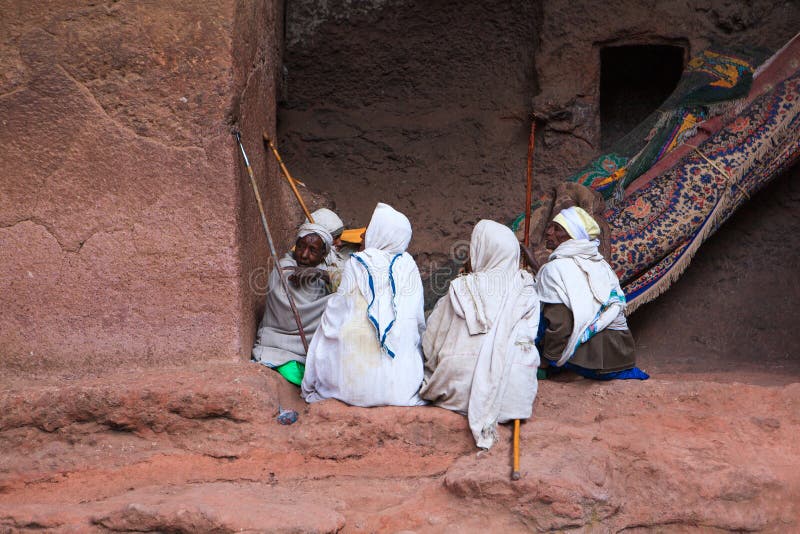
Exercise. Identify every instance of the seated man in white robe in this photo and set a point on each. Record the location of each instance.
(366, 351)
(479, 345)
(279, 344)
(583, 304)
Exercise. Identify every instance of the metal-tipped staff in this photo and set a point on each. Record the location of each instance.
(526, 240)
(289, 178)
(270, 242)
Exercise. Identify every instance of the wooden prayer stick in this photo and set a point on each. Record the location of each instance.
(526, 241)
(271, 243)
(292, 181)
(529, 187)
(515, 473)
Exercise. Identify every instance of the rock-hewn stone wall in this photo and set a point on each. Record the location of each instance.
(257, 60)
(125, 230)
(419, 104)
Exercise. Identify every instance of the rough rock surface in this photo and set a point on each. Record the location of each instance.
(734, 310)
(432, 122)
(128, 232)
(129, 240)
(199, 449)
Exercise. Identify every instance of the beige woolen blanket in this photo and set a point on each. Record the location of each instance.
(480, 357)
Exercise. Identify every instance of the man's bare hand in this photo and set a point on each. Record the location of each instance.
(305, 276)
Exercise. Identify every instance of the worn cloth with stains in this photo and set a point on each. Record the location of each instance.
(480, 355)
(366, 351)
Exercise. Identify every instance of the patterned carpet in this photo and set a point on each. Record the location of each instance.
(657, 229)
(710, 85)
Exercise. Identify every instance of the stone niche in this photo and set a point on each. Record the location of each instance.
(634, 80)
(128, 232)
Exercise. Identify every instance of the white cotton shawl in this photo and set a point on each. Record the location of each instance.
(497, 304)
(385, 271)
(350, 357)
(494, 258)
(278, 340)
(577, 276)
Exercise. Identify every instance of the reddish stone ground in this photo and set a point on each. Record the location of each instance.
(199, 449)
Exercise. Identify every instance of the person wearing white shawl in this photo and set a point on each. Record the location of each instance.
(366, 351)
(278, 343)
(582, 300)
(479, 345)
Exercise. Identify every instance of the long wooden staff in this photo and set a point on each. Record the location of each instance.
(292, 181)
(271, 243)
(526, 240)
(529, 186)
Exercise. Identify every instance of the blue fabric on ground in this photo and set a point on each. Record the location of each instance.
(547, 372)
(543, 324)
(629, 374)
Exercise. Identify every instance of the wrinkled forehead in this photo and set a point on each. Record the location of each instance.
(311, 240)
(556, 227)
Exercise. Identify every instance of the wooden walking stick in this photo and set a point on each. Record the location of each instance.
(526, 240)
(515, 472)
(271, 243)
(292, 181)
(529, 185)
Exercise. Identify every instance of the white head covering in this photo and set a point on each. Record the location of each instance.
(498, 301)
(493, 246)
(578, 223)
(328, 219)
(387, 272)
(309, 228)
(494, 255)
(388, 230)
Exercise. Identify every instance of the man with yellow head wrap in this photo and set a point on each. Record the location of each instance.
(582, 303)
(578, 224)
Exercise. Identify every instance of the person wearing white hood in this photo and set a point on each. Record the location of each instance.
(582, 303)
(479, 345)
(366, 351)
(278, 344)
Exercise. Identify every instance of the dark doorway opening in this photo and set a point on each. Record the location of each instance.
(634, 81)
